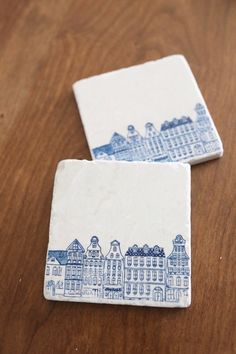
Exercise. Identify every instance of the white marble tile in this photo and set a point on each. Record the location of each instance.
(151, 112)
(120, 233)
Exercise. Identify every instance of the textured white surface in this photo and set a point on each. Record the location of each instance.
(134, 203)
(154, 92)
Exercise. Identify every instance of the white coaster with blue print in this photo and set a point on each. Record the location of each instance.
(149, 112)
(120, 234)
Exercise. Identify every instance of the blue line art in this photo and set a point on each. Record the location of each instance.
(142, 273)
(178, 140)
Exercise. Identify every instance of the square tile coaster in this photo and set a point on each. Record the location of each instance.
(149, 112)
(120, 234)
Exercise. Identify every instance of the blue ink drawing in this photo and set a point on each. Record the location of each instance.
(143, 273)
(178, 140)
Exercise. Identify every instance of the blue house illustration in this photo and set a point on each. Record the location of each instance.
(143, 273)
(179, 139)
(74, 269)
(93, 270)
(113, 273)
(178, 271)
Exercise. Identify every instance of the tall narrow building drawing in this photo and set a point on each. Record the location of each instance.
(113, 272)
(178, 271)
(74, 269)
(93, 270)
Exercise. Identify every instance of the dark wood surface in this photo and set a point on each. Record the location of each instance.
(45, 47)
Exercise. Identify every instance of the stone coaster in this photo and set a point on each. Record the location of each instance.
(120, 234)
(149, 112)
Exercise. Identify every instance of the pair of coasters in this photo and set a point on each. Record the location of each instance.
(120, 229)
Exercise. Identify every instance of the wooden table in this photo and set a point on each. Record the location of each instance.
(45, 47)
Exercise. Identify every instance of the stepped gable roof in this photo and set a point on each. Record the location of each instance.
(75, 246)
(103, 149)
(145, 251)
(60, 256)
(199, 106)
(175, 123)
(179, 240)
(117, 137)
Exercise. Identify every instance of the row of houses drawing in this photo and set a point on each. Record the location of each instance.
(178, 140)
(142, 273)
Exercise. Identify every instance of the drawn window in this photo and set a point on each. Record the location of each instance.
(178, 281)
(72, 285)
(135, 289)
(114, 249)
(135, 274)
(189, 149)
(148, 276)
(170, 294)
(180, 140)
(141, 261)
(160, 275)
(68, 271)
(112, 255)
(128, 289)
(129, 274)
(141, 275)
(135, 261)
(185, 281)
(185, 139)
(59, 270)
(148, 289)
(166, 133)
(141, 289)
(170, 281)
(117, 255)
(148, 262)
(48, 270)
(94, 281)
(67, 285)
(154, 262)
(54, 270)
(161, 263)
(154, 275)
(129, 261)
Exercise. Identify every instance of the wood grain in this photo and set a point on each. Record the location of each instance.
(45, 47)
